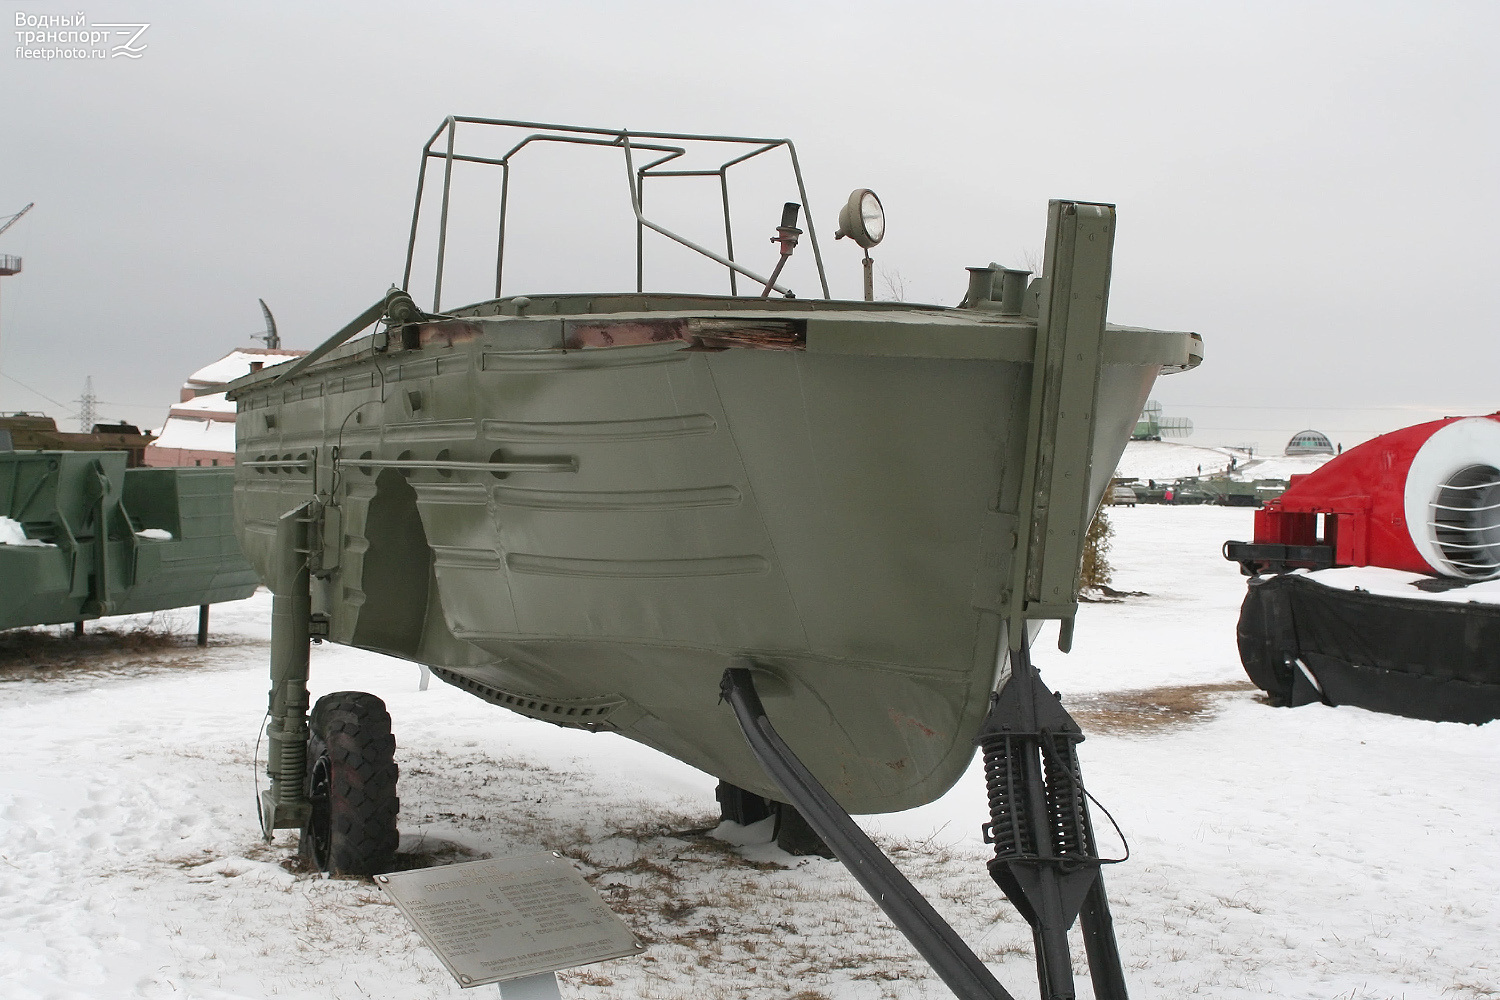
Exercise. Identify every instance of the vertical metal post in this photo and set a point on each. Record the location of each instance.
(728, 228)
(78, 630)
(416, 211)
(500, 244)
(812, 232)
(541, 986)
(637, 182)
(640, 229)
(437, 287)
(869, 278)
(284, 805)
(203, 624)
(1055, 499)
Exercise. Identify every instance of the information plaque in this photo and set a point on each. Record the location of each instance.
(491, 921)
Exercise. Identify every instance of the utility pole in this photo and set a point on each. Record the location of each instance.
(88, 406)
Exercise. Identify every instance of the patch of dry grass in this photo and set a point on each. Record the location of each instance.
(1481, 991)
(54, 652)
(1153, 709)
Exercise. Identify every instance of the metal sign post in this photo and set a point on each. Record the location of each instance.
(513, 921)
(542, 986)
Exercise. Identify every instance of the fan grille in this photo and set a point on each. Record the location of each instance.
(1465, 522)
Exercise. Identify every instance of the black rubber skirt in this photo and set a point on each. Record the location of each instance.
(1302, 642)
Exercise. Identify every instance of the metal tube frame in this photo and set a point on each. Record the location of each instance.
(627, 141)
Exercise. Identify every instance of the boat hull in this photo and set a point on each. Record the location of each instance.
(840, 517)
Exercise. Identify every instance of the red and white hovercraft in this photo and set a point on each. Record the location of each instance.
(1375, 581)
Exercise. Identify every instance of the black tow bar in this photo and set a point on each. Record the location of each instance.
(929, 933)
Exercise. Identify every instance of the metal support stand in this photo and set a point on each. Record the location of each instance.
(1046, 858)
(78, 630)
(284, 805)
(913, 916)
(203, 624)
(542, 986)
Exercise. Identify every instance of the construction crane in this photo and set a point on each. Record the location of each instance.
(11, 220)
(8, 264)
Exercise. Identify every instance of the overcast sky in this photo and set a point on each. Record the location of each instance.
(1310, 186)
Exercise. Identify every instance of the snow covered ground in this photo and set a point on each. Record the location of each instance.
(1145, 460)
(1167, 460)
(1280, 466)
(1308, 853)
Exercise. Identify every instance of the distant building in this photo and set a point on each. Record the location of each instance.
(1152, 426)
(37, 432)
(200, 428)
(1309, 443)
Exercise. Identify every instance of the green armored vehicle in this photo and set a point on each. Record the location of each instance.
(606, 510)
(84, 537)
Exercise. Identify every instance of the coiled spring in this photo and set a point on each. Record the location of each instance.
(1006, 762)
(1067, 812)
(1009, 762)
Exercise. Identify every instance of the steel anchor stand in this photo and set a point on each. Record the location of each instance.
(929, 933)
(1046, 858)
(1047, 886)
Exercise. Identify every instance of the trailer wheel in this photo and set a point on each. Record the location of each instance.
(351, 783)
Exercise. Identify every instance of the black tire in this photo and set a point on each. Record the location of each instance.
(351, 782)
(739, 806)
(795, 835)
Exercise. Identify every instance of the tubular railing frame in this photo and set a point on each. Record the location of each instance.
(627, 141)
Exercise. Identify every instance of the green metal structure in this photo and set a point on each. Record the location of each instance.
(586, 508)
(89, 511)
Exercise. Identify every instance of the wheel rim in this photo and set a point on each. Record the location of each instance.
(320, 823)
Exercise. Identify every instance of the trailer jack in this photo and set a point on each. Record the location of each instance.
(285, 806)
(1046, 860)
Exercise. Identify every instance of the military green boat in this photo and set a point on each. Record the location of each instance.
(87, 537)
(586, 508)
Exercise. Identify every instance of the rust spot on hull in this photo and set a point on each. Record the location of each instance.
(901, 719)
(698, 334)
(446, 333)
